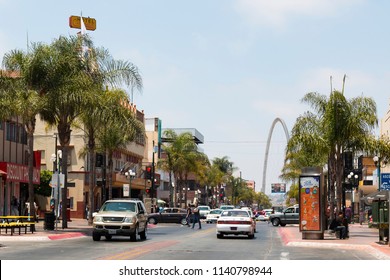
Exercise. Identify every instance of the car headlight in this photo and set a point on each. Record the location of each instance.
(98, 219)
(130, 220)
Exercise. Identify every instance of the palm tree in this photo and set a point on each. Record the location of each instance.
(66, 97)
(336, 126)
(121, 128)
(182, 155)
(20, 97)
(73, 84)
(226, 167)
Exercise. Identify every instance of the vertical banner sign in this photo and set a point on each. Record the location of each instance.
(126, 190)
(309, 201)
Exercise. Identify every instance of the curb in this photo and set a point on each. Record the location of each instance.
(66, 235)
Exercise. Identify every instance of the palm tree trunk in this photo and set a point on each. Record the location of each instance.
(92, 179)
(64, 133)
(171, 191)
(109, 175)
(64, 170)
(31, 193)
(332, 182)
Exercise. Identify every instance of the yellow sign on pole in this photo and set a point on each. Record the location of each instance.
(90, 23)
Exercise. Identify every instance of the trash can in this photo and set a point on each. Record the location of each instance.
(49, 221)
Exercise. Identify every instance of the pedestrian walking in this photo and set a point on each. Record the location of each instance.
(188, 216)
(196, 218)
(348, 214)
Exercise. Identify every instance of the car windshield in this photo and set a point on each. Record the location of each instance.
(215, 211)
(118, 206)
(235, 214)
(203, 208)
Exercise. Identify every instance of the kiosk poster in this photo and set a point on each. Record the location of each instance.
(309, 196)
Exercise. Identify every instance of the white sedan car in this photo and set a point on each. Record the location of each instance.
(213, 216)
(235, 221)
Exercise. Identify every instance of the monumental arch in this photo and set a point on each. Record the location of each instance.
(267, 148)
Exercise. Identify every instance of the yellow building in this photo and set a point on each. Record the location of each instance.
(46, 141)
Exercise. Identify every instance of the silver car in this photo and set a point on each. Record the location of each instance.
(124, 217)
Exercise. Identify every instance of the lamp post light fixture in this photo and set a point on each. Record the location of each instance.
(353, 178)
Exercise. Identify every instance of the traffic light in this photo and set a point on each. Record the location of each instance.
(148, 172)
(147, 191)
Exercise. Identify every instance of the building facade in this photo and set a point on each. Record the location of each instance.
(14, 166)
(123, 183)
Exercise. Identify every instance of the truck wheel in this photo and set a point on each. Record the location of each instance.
(275, 222)
(133, 236)
(144, 234)
(96, 236)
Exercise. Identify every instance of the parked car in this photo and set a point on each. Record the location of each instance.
(169, 215)
(203, 211)
(213, 216)
(125, 217)
(263, 216)
(289, 215)
(235, 221)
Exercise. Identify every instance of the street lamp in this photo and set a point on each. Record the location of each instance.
(185, 198)
(56, 159)
(129, 174)
(353, 178)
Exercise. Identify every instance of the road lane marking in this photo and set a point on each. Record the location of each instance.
(140, 250)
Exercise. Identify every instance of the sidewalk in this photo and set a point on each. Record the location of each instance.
(361, 237)
(76, 228)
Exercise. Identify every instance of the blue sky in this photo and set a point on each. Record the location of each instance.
(227, 68)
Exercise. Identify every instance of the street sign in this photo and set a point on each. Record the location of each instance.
(90, 23)
(385, 182)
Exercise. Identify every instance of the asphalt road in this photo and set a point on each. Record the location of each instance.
(176, 242)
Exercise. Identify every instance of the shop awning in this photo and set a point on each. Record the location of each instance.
(381, 195)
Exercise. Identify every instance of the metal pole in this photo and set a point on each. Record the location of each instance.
(58, 197)
(57, 204)
(130, 183)
(153, 173)
(379, 174)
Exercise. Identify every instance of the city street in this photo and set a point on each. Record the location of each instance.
(177, 242)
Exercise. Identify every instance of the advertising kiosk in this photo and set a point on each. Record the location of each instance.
(311, 203)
